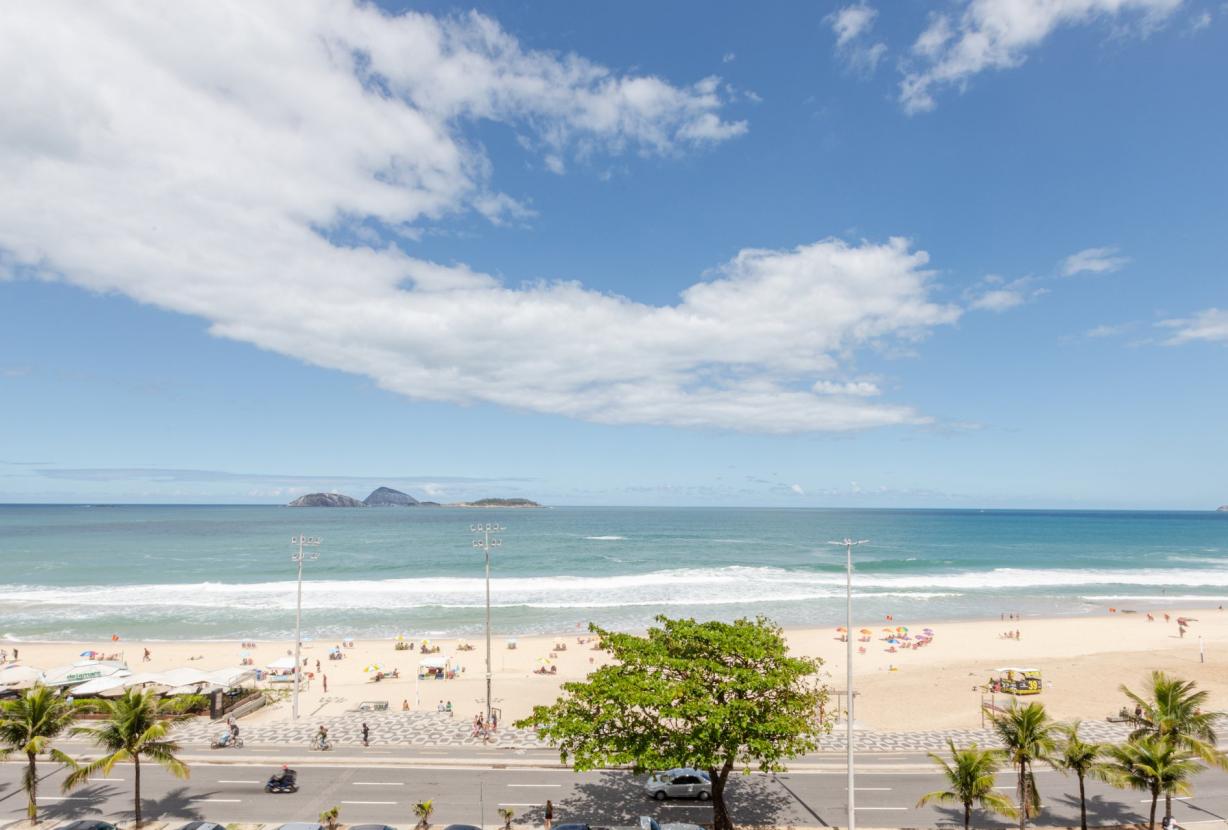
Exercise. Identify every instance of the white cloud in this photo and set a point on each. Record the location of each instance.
(224, 161)
(994, 293)
(998, 299)
(798, 489)
(998, 34)
(1094, 261)
(729, 57)
(1207, 326)
(1200, 22)
(852, 25)
(1106, 330)
(856, 388)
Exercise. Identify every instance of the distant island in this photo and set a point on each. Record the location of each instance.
(387, 497)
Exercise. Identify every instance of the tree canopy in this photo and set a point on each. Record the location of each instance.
(709, 695)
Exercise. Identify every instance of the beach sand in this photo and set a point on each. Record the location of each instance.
(1083, 660)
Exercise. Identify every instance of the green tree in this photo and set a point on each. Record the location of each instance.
(1082, 759)
(423, 810)
(329, 817)
(137, 725)
(1027, 735)
(970, 780)
(1154, 765)
(28, 724)
(709, 695)
(1173, 708)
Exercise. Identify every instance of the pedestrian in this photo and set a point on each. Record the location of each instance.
(317, 665)
(324, 677)
(146, 657)
(549, 813)
(15, 650)
(366, 735)
(451, 714)
(1016, 633)
(494, 717)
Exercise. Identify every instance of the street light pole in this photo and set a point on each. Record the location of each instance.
(485, 543)
(297, 558)
(848, 545)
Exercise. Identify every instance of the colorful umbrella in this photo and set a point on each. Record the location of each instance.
(373, 667)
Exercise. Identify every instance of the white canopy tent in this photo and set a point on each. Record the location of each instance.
(282, 664)
(14, 676)
(82, 671)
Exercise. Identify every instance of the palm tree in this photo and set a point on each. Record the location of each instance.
(1077, 756)
(1026, 733)
(1173, 708)
(137, 724)
(970, 779)
(423, 811)
(1153, 765)
(28, 724)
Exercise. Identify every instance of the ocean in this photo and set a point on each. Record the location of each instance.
(224, 572)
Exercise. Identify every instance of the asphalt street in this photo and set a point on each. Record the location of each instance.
(469, 790)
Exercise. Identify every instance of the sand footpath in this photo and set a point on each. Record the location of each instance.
(1083, 660)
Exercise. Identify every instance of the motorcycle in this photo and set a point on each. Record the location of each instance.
(284, 782)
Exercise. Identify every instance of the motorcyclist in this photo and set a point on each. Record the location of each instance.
(283, 775)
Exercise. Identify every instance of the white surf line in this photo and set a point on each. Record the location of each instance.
(382, 803)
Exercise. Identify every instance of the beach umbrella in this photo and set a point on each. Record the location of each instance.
(841, 630)
(373, 667)
(866, 631)
(903, 629)
(87, 654)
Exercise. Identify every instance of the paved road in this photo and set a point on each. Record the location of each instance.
(887, 791)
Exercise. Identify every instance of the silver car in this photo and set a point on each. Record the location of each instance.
(679, 783)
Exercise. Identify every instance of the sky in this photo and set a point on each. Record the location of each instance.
(956, 254)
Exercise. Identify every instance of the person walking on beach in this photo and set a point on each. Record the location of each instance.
(549, 813)
(146, 657)
(366, 735)
(324, 677)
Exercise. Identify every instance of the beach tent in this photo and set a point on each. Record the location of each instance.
(230, 678)
(282, 664)
(15, 676)
(436, 662)
(101, 685)
(82, 671)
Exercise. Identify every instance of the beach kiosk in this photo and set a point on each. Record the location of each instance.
(1012, 680)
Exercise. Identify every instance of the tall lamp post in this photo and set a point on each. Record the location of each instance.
(297, 558)
(485, 543)
(848, 545)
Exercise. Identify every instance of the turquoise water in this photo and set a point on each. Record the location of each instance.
(225, 572)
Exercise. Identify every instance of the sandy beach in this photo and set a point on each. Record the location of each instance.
(1083, 660)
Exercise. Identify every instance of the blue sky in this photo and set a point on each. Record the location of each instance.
(908, 254)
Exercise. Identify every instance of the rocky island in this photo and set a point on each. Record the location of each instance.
(387, 497)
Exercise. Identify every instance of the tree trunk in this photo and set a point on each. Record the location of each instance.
(1155, 796)
(720, 815)
(1023, 797)
(32, 786)
(1168, 804)
(967, 815)
(136, 791)
(1082, 805)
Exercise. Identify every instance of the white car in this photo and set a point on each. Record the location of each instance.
(679, 783)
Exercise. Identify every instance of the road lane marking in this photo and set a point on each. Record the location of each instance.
(1175, 798)
(369, 802)
(104, 779)
(512, 804)
(881, 808)
(378, 783)
(214, 800)
(534, 785)
(869, 789)
(232, 781)
(63, 798)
